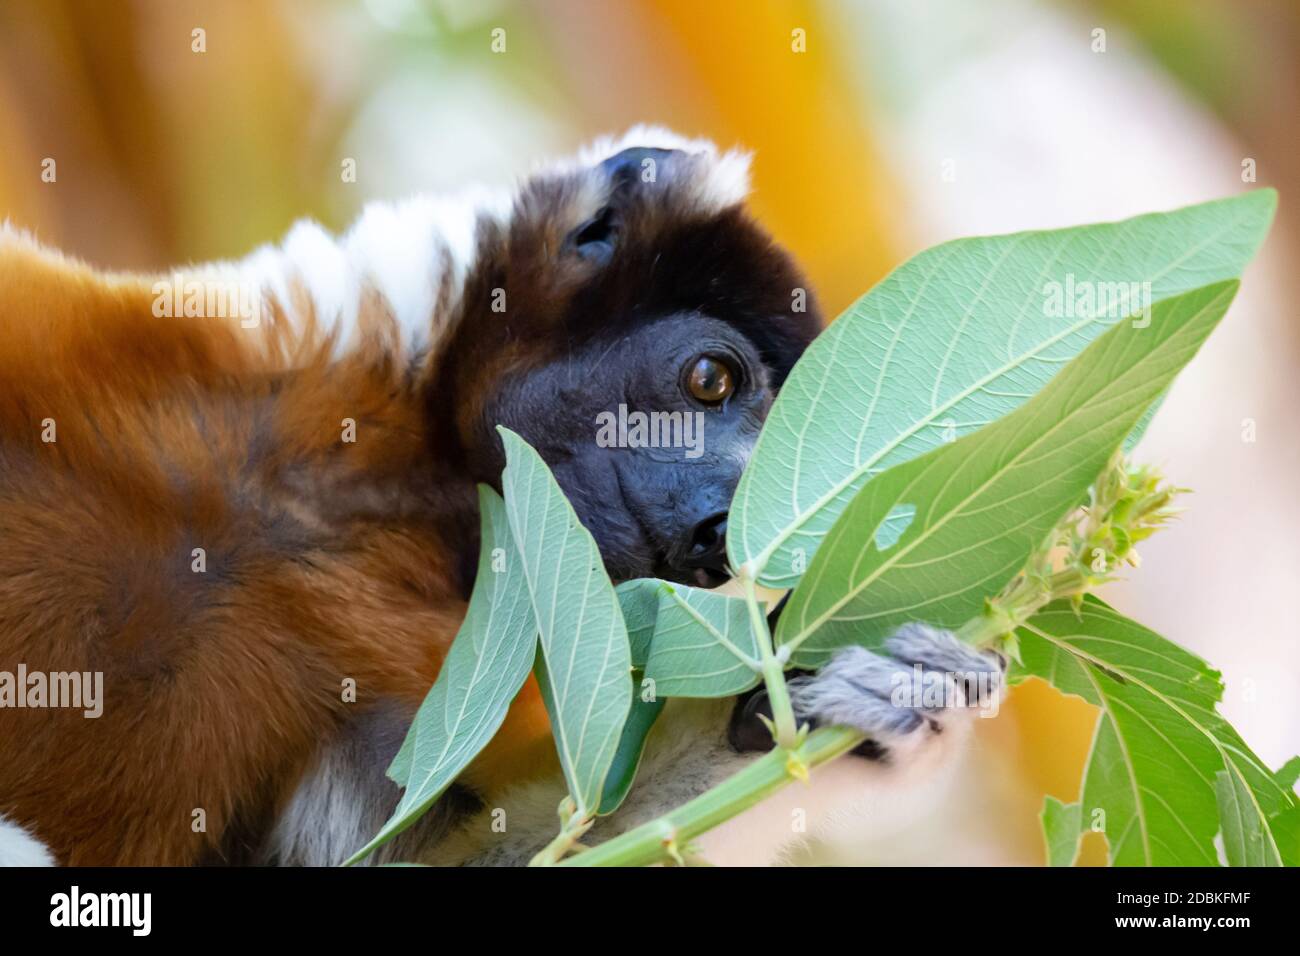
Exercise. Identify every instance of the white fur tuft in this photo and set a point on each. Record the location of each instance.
(19, 848)
(409, 252)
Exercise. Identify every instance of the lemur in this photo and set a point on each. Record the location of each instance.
(235, 516)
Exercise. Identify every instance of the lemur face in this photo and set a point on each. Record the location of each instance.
(647, 433)
(634, 325)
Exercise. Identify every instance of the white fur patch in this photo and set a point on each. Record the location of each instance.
(407, 252)
(20, 848)
(413, 251)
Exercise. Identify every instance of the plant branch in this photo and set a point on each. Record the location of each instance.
(1126, 506)
(572, 827)
(785, 730)
(662, 840)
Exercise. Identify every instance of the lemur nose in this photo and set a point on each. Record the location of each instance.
(708, 544)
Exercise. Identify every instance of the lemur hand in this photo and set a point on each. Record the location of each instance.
(923, 678)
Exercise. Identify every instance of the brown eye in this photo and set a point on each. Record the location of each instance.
(710, 381)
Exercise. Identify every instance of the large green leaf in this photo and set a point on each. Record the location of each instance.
(484, 669)
(983, 503)
(703, 645)
(955, 338)
(586, 677)
(1164, 766)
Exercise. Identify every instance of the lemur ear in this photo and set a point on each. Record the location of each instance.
(595, 239)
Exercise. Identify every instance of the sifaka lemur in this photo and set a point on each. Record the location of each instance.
(233, 502)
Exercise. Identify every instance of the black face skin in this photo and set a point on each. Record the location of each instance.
(617, 286)
(654, 511)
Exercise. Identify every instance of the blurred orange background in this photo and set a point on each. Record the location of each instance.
(878, 128)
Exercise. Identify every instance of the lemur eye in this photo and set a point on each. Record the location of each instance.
(710, 381)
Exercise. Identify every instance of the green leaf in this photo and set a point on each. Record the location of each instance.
(703, 645)
(484, 669)
(1160, 744)
(986, 501)
(1288, 773)
(1246, 840)
(953, 339)
(1061, 830)
(631, 745)
(639, 601)
(585, 653)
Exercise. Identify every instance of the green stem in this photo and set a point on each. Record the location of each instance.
(571, 830)
(778, 695)
(663, 838)
(1025, 599)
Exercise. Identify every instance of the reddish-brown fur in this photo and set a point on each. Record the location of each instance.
(181, 433)
(326, 560)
